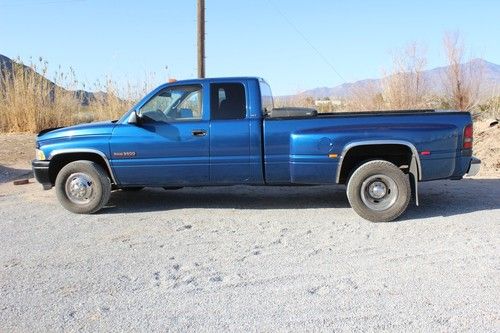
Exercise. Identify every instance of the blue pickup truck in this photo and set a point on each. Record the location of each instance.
(226, 131)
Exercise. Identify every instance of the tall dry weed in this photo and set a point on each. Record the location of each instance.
(403, 87)
(29, 102)
(462, 81)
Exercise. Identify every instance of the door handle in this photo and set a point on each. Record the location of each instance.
(199, 132)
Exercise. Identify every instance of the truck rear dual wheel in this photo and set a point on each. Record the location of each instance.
(83, 187)
(379, 191)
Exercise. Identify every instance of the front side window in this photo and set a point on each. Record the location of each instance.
(178, 103)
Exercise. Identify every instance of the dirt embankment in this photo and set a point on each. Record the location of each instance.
(17, 149)
(487, 146)
(16, 152)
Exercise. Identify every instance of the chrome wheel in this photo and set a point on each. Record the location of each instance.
(79, 188)
(379, 192)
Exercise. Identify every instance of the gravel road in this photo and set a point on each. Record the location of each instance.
(242, 258)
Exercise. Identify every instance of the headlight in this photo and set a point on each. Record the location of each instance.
(39, 155)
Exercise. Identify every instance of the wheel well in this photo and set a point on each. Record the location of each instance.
(59, 161)
(398, 154)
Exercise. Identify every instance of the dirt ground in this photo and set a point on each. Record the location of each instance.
(250, 258)
(17, 148)
(16, 153)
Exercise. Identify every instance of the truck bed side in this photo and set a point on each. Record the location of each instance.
(309, 150)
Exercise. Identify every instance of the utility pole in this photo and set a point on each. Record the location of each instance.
(201, 38)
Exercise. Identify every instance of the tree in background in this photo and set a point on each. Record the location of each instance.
(404, 87)
(462, 81)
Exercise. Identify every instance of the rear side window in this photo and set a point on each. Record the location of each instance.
(227, 101)
(266, 97)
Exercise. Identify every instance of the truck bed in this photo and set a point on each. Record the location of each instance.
(297, 148)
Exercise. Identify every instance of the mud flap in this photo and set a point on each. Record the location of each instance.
(414, 178)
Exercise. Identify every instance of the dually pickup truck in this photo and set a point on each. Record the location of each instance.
(226, 131)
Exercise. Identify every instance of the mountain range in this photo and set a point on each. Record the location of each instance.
(433, 78)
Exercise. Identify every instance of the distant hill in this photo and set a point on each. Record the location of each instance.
(432, 77)
(7, 64)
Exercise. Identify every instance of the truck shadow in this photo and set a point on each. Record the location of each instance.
(439, 198)
(237, 197)
(8, 174)
(449, 198)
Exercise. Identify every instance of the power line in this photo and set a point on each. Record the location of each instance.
(306, 39)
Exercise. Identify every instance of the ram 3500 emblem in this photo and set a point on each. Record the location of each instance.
(124, 154)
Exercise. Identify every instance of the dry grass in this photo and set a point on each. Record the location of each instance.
(29, 102)
(296, 100)
(489, 109)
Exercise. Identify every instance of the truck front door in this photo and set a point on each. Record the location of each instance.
(171, 144)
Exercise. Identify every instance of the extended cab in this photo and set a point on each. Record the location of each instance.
(226, 131)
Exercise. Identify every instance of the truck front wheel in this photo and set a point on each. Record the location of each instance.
(379, 191)
(83, 187)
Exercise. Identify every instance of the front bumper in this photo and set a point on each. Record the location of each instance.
(475, 165)
(41, 172)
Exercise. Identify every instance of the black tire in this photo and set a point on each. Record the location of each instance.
(131, 189)
(379, 191)
(96, 187)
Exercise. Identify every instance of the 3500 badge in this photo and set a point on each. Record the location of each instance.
(124, 154)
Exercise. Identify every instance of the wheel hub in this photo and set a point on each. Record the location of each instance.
(79, 188)
(377, 190)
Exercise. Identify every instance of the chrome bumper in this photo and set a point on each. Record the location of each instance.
(475, 165)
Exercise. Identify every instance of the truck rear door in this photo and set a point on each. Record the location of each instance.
(230, 134)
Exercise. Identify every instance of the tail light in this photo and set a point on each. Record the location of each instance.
(468, 137)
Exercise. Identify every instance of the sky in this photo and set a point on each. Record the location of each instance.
(295, 45)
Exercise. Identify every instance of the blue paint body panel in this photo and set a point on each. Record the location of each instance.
(297, 146)
(164, 154)
(258, 150)
(89, 136)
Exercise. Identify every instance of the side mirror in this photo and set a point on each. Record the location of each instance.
(135, 118)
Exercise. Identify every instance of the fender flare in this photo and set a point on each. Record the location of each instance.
(415, 167)
(85, 150)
